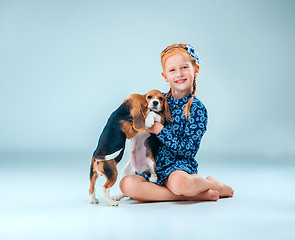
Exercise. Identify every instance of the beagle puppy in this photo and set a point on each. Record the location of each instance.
(142, 145)
(125, 122)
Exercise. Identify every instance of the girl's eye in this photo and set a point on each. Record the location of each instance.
(185, 67)
(171, 70)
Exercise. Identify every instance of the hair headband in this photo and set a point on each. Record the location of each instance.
(190, 50)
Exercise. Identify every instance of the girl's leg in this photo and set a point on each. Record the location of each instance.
(138, 188)
(182, 183)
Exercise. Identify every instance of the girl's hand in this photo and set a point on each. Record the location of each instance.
(156, 128)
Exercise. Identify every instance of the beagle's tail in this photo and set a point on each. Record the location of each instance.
(109, 157)
(114, 155)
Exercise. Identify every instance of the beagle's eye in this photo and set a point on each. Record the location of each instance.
(161, 99)
(149, 97)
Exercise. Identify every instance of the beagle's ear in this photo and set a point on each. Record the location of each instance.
(167, 113)
(138, 119)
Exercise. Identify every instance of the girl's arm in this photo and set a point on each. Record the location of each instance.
(156, 128)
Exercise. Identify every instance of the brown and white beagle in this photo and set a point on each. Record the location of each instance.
(125, 122)
(143, 146)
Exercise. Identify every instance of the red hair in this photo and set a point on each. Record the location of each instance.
(171, 51)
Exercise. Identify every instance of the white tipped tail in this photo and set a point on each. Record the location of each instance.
(113, 155)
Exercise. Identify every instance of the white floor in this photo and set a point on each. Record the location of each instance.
(46, 197)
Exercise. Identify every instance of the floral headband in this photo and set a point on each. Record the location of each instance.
(190, 50)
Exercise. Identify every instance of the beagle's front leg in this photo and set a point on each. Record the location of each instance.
(151, 118)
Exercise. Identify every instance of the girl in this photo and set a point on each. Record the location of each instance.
(177, 172)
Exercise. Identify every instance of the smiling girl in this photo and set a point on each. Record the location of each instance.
(179, 142)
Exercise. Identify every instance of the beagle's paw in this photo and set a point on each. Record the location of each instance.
(93, 199)
(109, 200)
(149, 121)
(112, 203)
(153, 178)
(118, 197)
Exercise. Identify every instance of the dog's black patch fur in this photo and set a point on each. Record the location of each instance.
(108, 145)
(91, 171)
(154, 143)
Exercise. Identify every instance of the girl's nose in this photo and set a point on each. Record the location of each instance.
(178, 72)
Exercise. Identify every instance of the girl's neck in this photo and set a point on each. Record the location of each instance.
(180, 94)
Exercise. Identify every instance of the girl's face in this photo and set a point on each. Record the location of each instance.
(179, 73)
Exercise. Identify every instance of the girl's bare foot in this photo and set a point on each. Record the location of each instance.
(210, 195)
(223, 189)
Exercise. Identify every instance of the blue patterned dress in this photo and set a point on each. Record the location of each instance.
(181, 139)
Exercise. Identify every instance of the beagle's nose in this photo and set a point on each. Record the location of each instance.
(155, 103)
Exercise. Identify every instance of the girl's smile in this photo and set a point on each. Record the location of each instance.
(180, 81)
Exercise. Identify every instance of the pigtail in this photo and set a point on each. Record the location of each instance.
(169, 94)
(187, 109)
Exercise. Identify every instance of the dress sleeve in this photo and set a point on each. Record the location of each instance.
(183, 137)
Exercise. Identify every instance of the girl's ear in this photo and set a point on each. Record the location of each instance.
(197, 68)
(164, 76)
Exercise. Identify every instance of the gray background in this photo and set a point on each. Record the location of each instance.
(66, 65)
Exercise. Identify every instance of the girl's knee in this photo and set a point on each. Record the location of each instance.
(180, 183)
(128, 185)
